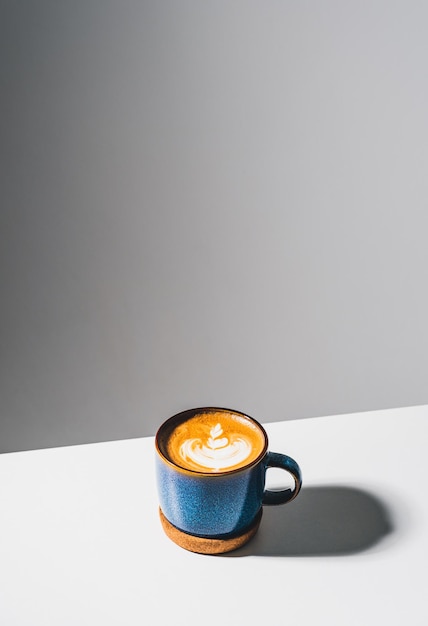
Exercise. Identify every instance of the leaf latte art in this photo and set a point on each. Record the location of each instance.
(217, 452)
(214, 442)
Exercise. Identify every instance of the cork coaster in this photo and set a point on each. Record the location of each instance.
(205, 545)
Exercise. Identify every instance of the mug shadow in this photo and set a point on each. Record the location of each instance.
(329, 520)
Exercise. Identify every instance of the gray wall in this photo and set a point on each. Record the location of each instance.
(209, 203)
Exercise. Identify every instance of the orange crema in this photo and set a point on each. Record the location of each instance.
(215, 442)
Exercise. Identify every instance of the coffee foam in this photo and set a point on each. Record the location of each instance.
(214, 442)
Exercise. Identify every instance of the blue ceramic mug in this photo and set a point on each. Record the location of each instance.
(211, 466)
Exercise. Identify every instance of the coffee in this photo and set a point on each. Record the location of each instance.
(211, 467)
(214, 441)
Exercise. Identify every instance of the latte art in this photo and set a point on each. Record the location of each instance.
(215, 441)
(217, 452)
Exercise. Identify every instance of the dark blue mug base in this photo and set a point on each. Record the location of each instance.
(210, 545)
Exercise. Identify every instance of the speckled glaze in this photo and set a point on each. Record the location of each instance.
(218, 505)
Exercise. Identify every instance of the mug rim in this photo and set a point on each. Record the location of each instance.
(207, 409)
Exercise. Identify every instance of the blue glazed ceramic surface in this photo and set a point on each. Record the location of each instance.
(210, 505)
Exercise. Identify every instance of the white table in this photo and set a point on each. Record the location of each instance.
(81, 543)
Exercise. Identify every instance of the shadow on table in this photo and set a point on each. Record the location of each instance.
(322, 521)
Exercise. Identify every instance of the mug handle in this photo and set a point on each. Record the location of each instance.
(274, 459)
